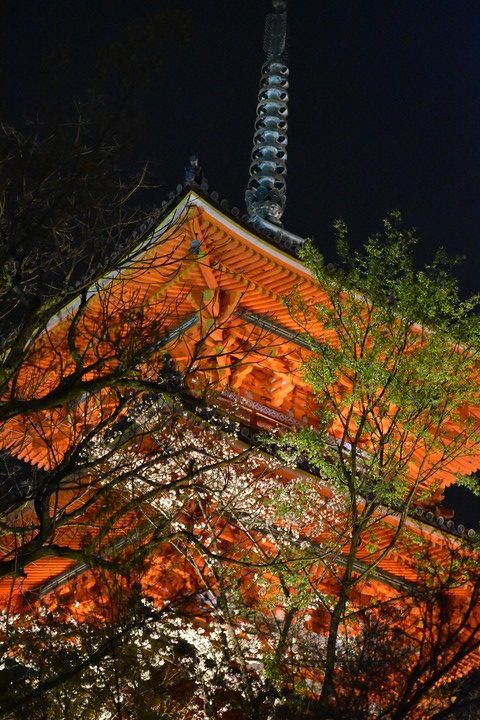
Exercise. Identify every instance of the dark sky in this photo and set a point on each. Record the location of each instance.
(384, 104)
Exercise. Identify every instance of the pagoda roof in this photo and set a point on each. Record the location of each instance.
(210, 250)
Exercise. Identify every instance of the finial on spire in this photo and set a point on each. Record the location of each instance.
(266, 194)
(276, 31)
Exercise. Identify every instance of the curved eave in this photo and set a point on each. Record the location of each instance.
(234, 225)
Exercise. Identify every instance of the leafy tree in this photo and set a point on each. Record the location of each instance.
(393, 372)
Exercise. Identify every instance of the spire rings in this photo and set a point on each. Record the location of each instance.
(266, 193)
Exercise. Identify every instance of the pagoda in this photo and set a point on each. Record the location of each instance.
(198, 314)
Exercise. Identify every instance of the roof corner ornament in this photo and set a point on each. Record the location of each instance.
(266, 193)
(193, 173)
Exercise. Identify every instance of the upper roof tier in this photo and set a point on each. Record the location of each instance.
(200, 261)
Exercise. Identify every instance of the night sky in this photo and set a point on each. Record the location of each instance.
(384, 104)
